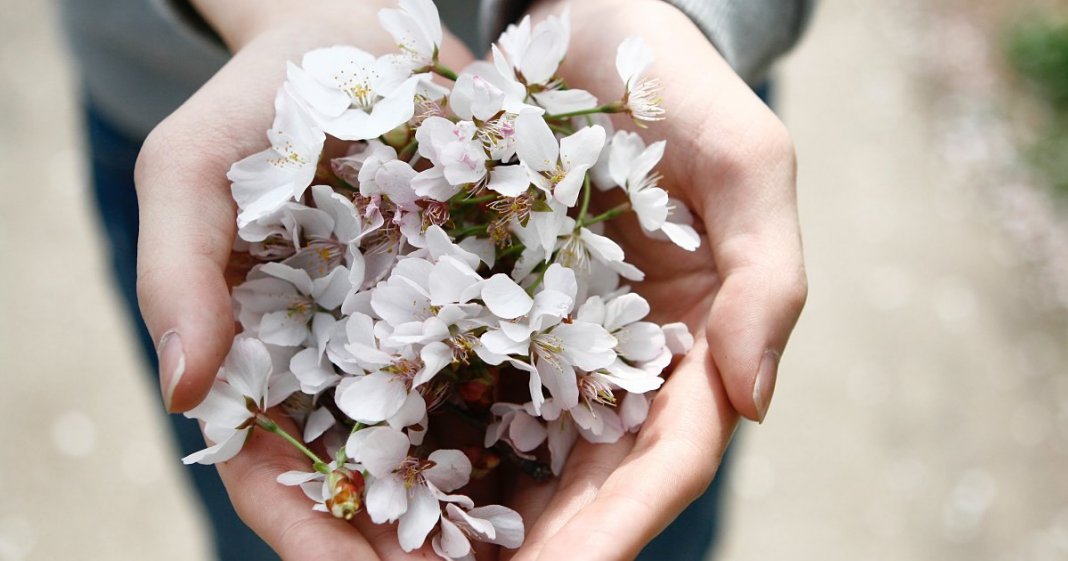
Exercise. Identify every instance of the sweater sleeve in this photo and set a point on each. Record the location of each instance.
(750, 34)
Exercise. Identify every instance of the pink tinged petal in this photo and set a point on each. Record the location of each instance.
(633, 411)
(451, 543)
(586, 345)
(379, 449)
(373, 398)
(318, 422)
(526, 432)
(682, 235)
(387, 498)
(433, 134)
(604, 428)
(431, 184)
(535, 143)
(435, 357)
(633, 58)
(640, 341)
(219, 452)
(452, 470)
(562, 436)
(510, 181)
(582, 149)
(625, 310)
(482, 529)
(677, 337)
(507, 524)
(420, 518)
(248, 367)
(651, 206)
(284, 328)
(505, 298)
(558, 376)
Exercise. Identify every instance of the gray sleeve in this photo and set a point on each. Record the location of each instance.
(750, 34)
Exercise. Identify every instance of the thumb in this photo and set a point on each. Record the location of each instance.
(186, 232)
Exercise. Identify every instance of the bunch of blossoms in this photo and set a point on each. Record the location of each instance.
(426, 253)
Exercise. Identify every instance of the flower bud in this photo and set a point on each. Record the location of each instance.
(346, 493)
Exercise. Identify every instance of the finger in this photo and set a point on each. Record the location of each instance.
(675, 456)
(187, 220)
(752, 224)
(280, 514)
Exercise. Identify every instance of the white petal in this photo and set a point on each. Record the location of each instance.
(220, 452)
(633, 411)
(559, 378)
(451, 543)
(526, 432)
(451, 471)
(379, 449)
(587, 345)
(248, 367)
(417, 522)
(387, 499)
(562, 436)
(505, 298)
(678, 338)
(284, 328)
(682, 235)
(639, 341)
(535, 143)
(435, 357)
(506, 522)
(565, 101)
(373, 398)
(633, 58)
(510, 181)
(583, 148)
(625, 310)
(318, 422)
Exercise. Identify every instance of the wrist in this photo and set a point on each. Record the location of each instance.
(238, 22)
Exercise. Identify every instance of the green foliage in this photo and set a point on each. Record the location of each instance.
(1038, 52)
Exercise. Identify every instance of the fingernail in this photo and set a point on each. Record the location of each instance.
(765, 383)
(171, 365)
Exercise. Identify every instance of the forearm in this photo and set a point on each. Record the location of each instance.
(239, 21)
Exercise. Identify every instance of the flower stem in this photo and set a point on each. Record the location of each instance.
(443, 71)
(265, 422)
(608, 214)
(408, 151)
(460, 233)
(475, 200)
(614, 107)
(585, 201)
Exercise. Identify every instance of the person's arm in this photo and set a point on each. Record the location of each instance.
(187, 228)
(749, 34)
(731, 161)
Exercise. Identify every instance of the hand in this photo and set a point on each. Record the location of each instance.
(731, 161)
(188, 229)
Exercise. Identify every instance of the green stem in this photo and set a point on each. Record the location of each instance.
(443, 71)
(562, 129)
(614, 107)
(537, 282)
(608, 214)
(585, 201)
(514, 249)
(476, 200)
(464, 232)
(265, 422)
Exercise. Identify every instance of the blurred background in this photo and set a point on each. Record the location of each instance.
(921, 409)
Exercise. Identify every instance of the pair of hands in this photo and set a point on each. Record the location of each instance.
(729, 159)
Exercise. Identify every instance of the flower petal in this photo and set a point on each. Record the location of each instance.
(505, 298)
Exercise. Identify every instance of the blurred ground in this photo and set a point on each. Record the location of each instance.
(922, 408)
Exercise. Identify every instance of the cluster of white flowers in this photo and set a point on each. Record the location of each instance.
(437, 250)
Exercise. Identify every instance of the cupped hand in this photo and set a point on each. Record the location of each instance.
(187, 231)
(730, 160)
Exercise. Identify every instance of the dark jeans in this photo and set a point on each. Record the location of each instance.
(113, 155)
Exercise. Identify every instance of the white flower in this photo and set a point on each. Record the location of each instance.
(557, 168)
(517, 425)
(583, 245)
(533, 56)
(459, 156)
(225, 411)
(264, 181)
(416, 27)
(595, 422)
(630, 165)
(642, 99)
(404, 487)
(280, 304)
(354, 95)
(490, 524)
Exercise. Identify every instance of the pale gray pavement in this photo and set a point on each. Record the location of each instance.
(922, 408)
